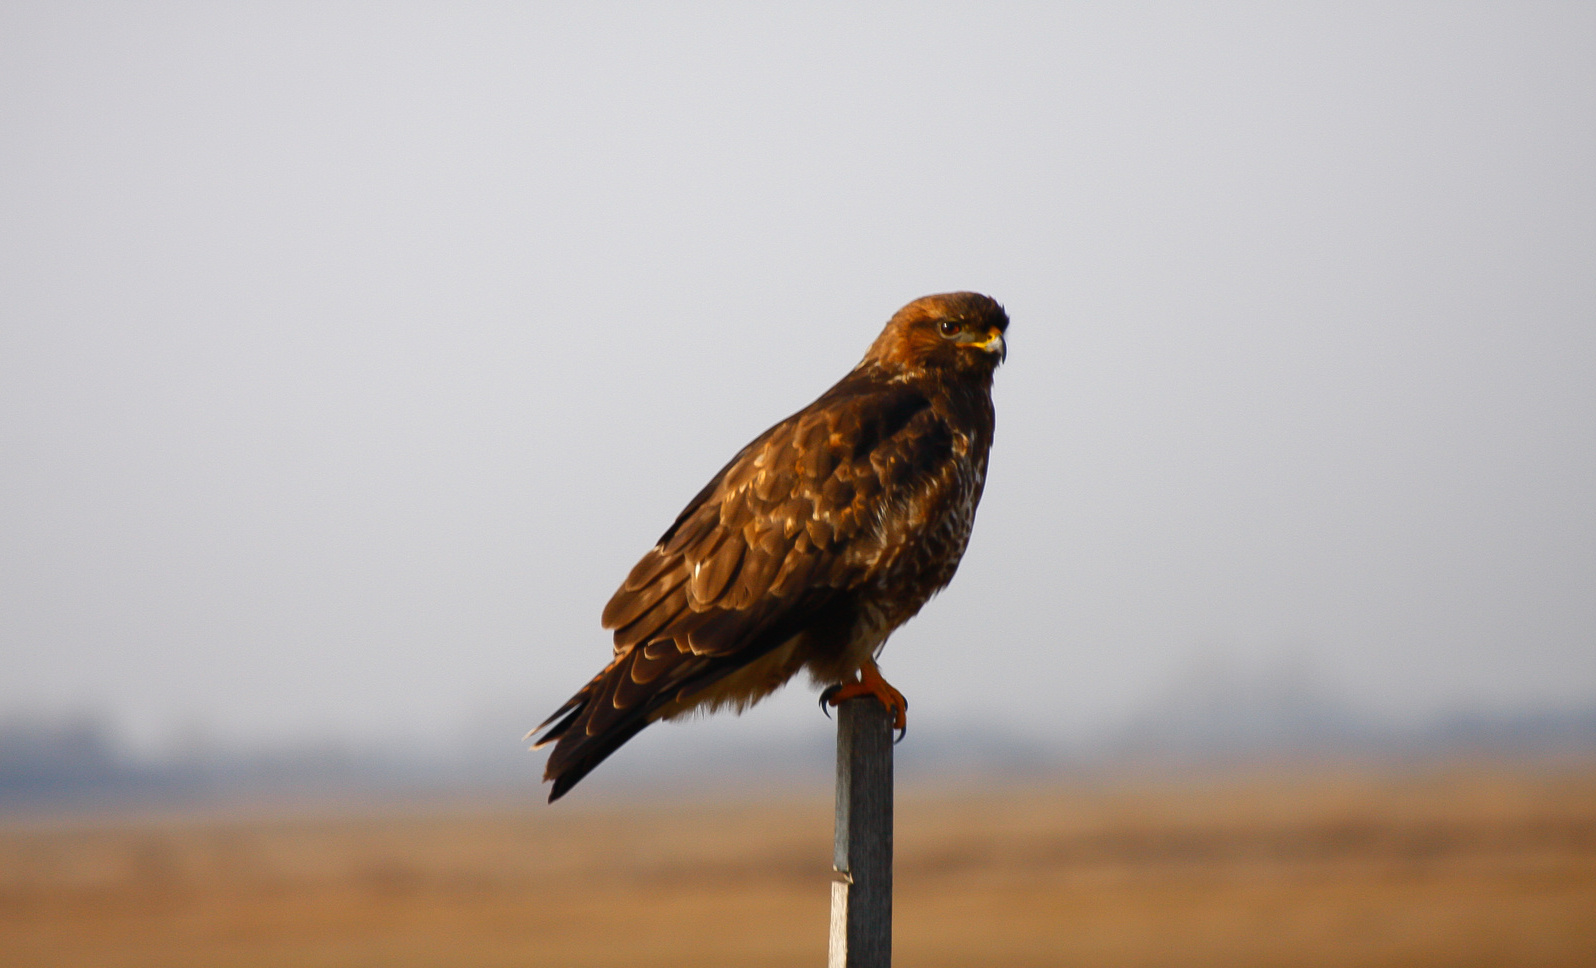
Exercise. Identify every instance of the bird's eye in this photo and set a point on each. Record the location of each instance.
(950, 327)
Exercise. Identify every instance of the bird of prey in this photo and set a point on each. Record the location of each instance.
(808, 549)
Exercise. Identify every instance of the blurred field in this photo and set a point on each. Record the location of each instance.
(1457, 867)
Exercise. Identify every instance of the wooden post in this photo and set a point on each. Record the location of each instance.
(861, 889)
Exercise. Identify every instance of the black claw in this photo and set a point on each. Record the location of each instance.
(825, 696)
(902, 733)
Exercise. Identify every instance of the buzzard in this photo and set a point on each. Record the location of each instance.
(808, 549)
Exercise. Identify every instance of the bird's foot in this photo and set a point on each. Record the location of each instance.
(871, 683)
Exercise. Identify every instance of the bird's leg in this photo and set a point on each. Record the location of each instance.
(871, 683)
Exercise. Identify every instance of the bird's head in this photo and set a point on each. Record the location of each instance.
(955, 333)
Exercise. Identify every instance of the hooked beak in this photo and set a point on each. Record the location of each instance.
(993, 344)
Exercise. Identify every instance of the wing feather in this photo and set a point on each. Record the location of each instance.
(656, 617)
(711, 576)
(646, 571)
(629, 605)
(795, 574)
(684, 623)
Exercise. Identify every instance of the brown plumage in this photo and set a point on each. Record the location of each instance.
(810, 547)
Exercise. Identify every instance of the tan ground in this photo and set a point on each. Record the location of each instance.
(1455, 868)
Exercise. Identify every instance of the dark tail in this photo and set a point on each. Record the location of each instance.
(580, 743)
(586, 754)
(619, 702)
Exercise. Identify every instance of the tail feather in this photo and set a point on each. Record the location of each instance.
(590, 725)
(600, 718)
(580, 743)
(571, 709)
(559, 729)
(591, 754)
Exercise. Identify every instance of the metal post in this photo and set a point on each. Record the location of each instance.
(861, 889)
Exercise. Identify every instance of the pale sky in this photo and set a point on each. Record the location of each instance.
(350, 354)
